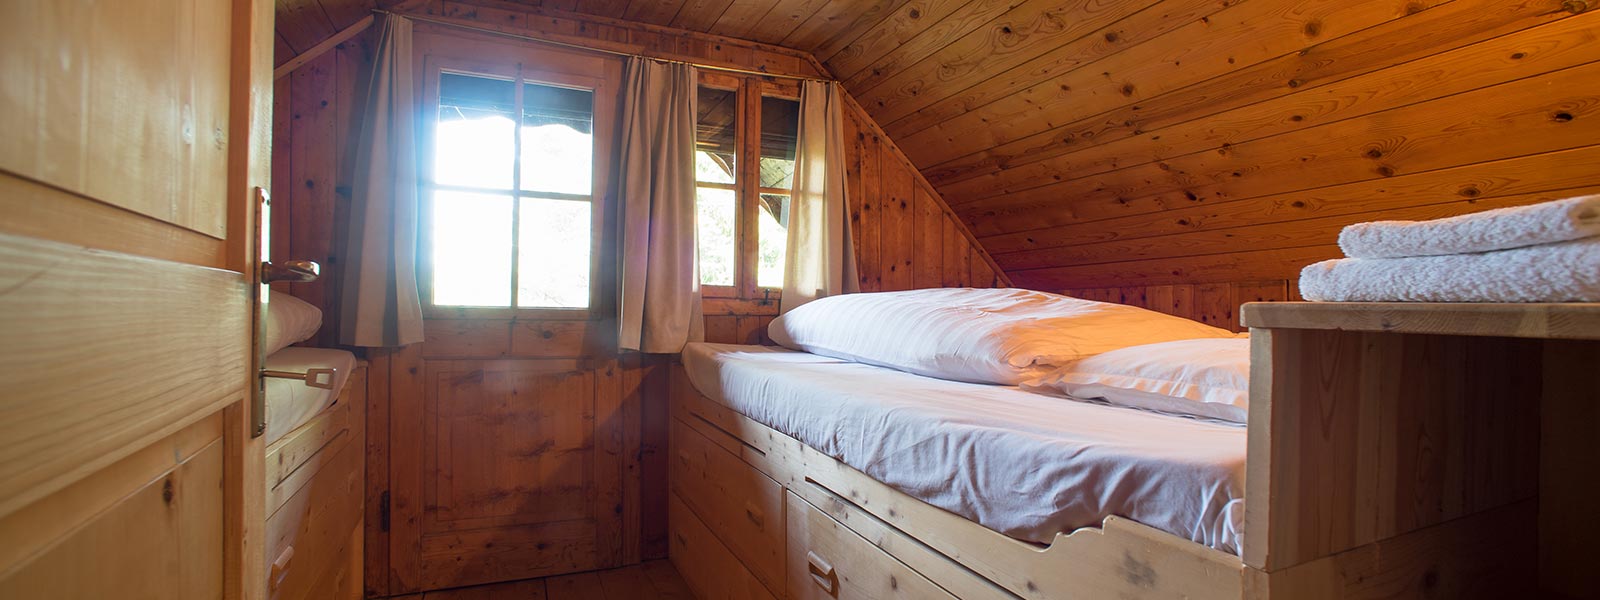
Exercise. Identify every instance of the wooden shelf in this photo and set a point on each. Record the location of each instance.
(1544, 321)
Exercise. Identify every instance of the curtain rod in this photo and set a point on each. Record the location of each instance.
(590, 49)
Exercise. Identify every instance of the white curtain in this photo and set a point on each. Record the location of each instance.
(660, 287)
(379, 303)
(820, 260)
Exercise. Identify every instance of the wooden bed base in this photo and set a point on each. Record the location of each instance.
(1393, 463)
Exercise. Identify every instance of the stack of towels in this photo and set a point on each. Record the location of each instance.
(1548, 252)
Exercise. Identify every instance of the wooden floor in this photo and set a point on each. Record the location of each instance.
(656, 579)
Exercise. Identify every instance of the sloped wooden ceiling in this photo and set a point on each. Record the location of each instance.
(1126, 144)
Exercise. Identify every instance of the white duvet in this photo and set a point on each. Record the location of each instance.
(1020, 463)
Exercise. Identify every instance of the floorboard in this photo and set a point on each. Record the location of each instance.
(653, 580)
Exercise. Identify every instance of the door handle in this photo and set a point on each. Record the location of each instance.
(822, 574)
(296, 271)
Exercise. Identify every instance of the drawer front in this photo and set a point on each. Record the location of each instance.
(739, 504)
(712, 571)
(828, 561)
(310, 535)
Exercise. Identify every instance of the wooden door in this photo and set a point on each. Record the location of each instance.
(130, 146)
(513, 448)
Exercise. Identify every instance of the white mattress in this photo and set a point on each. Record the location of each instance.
(1023, 464)
(290, 402)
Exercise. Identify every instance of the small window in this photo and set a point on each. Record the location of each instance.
(744, 171)
(716, 178)
(511, 203)
(780, 119)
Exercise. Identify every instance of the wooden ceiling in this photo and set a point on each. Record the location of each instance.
(1087, 142)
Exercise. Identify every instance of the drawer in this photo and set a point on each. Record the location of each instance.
(827, 560)
(311, 535)
(712, 571)
(739, 504)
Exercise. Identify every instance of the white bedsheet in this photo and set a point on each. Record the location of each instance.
(1024, 464)
(290, 402)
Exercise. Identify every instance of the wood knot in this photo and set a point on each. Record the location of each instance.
(1111, 36)
(1576, 6)
(914, 13)
(1562, 117)
(1470, 192)
(168, 492)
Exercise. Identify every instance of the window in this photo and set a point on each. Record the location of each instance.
(744, 170)
(511, 204)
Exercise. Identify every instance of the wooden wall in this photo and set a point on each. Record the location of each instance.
(1192, 155)
(906, 235)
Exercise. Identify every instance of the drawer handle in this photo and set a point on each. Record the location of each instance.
(755, 515)
(280, 567)
(822, 573)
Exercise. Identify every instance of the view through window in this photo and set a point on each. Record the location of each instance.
(512, 189)
(731, 194)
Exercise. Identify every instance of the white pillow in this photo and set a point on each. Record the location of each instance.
(1204, 378)
(1002, 336)
(287, 320)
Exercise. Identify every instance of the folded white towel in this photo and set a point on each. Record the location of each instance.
(1500, 229)
(1563, 272)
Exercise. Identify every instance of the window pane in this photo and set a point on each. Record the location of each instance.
(557, 139)
(774, 235)
(716, 135)
(780, 121)
(474, 142)
(471, 249)
(554, 248)
(715, 222)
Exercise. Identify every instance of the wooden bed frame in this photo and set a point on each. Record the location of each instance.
(1396, 450)
(314, 484)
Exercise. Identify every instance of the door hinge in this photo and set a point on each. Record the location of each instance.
(383, 512)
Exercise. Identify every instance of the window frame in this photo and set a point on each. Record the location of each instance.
(747, 188)
(539, 67)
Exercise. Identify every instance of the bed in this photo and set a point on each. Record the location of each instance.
(1026, 465)
(1386, 463)
(315, 423)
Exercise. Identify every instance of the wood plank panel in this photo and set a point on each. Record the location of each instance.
(1288, 234)
(160, 540)
(955, 26)
(869, 254)
(159, 357)
(1246, 33)
(899, 228)
(1466, 186)
(1360, 456)
(308, 200)
(836, 23)
(898, 28)
(1016, 37)
(1459, 130)
(926, 110)
(1335, 79)
(91, 86)
(927, 241)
